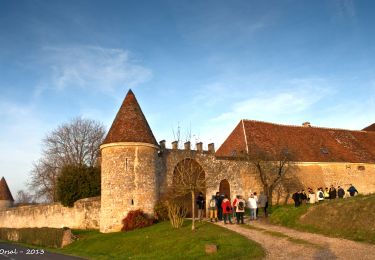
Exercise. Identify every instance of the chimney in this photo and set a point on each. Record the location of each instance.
(199, 147)
(306, 124)
(162, 144)
(211, 148)
(175, 145)
(187, 145)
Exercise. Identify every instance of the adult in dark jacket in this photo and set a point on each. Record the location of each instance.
(332, 193)
(219, 200)
(352, 190)
(200, 203)
(297, 199)
(340, 192)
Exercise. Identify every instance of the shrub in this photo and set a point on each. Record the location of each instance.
(136, 219)
(161, 211)
(77, 182)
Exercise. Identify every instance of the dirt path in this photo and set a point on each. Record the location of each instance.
(284, 243)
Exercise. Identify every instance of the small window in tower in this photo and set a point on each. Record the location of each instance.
(361, 168)
(126, 164)
(132, 202)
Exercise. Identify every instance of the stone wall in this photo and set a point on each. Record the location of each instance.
(84, 215)
(129, 182)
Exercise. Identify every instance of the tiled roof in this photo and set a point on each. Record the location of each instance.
(369, 128)
(307, 144)
(4, 191)
(130, 124)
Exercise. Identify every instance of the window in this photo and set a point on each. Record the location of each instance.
(324, 150)
(361, 168)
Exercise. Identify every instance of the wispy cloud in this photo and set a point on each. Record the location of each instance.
(296, 96)
(92, 67)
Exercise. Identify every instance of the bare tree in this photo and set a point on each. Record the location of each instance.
(189, 178)
(272, 168)
(23, 198)
(74, 143)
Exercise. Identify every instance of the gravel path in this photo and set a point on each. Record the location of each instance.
(284, 243)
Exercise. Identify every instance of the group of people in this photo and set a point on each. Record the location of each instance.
(222, 208)
(311, 197)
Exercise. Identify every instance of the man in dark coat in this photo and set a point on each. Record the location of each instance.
(219, 200)
(332, 193)
(297, 199)
(340, 192)
(200, 204)
(352, 190)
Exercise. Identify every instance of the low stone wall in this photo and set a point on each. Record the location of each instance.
(84, 215)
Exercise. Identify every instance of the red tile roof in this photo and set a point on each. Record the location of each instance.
(4, 191)
(369, 128)
(308, 144)
(130, 124)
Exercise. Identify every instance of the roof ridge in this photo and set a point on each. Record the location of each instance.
(301, 126)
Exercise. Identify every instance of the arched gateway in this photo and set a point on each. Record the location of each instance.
(224, 188)
(188, 176)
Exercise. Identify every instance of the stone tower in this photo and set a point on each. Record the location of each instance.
(6, 198)
(129, 166)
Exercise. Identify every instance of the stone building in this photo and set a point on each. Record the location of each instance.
(136, 170)
(6, 198)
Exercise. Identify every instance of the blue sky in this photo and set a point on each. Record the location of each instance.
(201, 64)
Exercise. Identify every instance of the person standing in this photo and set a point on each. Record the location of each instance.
(297, 199)
(320, 195)
(253, 207)
(304, 197)
(257, 200)
(352, 190)
(262, 202)
(326, 193)
(213, 209)
(332, 193)
(227, 210)
(340, 192)
(240, 209)
(234, 204)
(200, 203)
(219, 200)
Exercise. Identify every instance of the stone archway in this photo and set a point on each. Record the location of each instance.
(189, 171)
(224, 188)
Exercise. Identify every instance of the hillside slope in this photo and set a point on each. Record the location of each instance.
(351, 218)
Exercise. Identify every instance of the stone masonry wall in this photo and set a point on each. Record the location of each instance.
(84, 215)
(129, 182)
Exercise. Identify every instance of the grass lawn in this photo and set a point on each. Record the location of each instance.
(160, 241)
(351, 218)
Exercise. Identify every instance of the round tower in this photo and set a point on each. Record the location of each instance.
(129, 157)
(6, 198)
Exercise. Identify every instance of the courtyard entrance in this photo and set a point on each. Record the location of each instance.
(224, 188)
(189, 173)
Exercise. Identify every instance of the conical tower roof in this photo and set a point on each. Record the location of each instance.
(4, 191)
(130, 124)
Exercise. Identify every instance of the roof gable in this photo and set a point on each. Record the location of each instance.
(130, 124)
(5, 193)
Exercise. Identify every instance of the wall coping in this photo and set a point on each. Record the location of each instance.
(128, 144)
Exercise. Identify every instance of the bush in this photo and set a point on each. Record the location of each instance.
(77, 182)
(161, 211)
(136, 219)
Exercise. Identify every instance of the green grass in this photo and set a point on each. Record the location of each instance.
(351, 218)
(160, 241)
